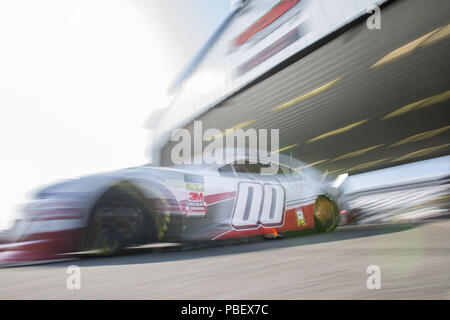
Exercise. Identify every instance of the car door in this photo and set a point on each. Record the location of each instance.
(260, 199)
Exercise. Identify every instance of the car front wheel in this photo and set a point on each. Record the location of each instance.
(326, 214)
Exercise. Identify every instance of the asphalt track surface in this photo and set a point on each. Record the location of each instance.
(414, 259)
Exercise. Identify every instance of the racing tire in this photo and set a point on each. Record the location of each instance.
(326, 214)
(118, 220)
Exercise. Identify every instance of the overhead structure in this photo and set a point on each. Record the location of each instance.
(346, 96)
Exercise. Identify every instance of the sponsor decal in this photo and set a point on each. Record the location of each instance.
(194, 182)
(195, 205)
(271, 50)
(194, 187)
(301, 222)
(193, 178)
(261, 26)
(193, 208)
(196, 196)
(277, 17)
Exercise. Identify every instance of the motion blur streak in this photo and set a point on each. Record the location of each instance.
(337, 131)
(238, 126)
(421, 136)
(433, 36)
(421, 152)
(408, 202)
(285, 148)
(357, 153)
(420, 104)
(307, 95)
(369, 164)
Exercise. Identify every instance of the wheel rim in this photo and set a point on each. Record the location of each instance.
(112, 230)
(325, 212)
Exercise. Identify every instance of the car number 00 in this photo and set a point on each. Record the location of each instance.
(258, 204)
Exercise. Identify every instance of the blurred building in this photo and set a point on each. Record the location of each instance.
(346, 94)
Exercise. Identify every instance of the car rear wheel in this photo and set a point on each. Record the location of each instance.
(118, 220)
(112, 229)
(326, 214)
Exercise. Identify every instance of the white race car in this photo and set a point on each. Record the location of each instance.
(110, 211)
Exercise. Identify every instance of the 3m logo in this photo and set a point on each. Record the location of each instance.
(196, 196)
(258, 205)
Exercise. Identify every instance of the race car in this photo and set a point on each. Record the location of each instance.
(105, 213)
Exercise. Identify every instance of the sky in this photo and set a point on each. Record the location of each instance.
(79, 78)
